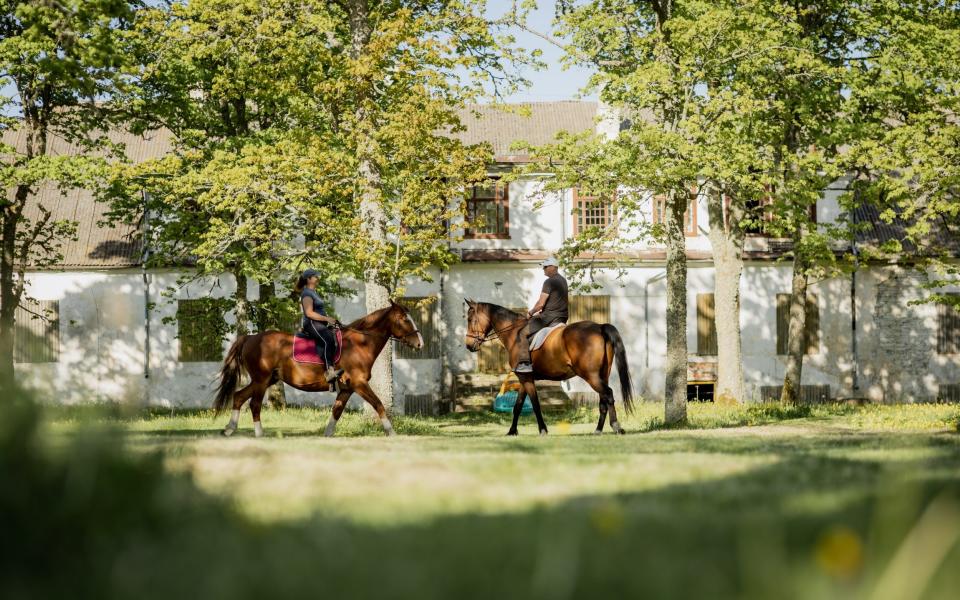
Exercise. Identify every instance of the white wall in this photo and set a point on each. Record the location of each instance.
(103, 334)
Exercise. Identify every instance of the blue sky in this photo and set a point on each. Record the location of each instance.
(551, 83)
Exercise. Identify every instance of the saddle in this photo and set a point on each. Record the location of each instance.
(538, 338)
(305, 349)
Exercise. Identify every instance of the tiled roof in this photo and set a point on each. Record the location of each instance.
(536, 123)
(96, 246)
(872, 231)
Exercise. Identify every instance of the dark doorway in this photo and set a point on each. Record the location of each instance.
(700, 392)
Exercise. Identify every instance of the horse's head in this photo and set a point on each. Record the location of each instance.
(478, 324)
(402, 326)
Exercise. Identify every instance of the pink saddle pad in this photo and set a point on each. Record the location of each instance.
(305, 349)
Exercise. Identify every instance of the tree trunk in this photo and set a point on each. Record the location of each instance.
(276, 393)
(675, 396)
(11, 279)
(8, 299)
(241, 308)
(726, 240)
(372, 216)
(797, 338)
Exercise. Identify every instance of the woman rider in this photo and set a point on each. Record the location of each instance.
(316, 324)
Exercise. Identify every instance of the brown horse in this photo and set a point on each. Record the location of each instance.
(268, 358)
(584, 349)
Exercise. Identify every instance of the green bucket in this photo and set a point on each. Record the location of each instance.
(505, 402)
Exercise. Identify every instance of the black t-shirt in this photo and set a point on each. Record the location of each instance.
(555, 308)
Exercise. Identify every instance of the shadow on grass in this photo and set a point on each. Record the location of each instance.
(93, 521)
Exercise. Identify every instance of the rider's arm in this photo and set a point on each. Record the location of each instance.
(539, 305)
(307, 302)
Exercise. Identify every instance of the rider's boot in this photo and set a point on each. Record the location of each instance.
(333, 374)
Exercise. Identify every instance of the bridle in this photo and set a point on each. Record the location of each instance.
(486, 337)
(377, 334)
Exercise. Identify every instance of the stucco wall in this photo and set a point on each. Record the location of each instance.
(103, 334)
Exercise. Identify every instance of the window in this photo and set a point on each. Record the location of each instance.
(948, 327)
(425, 313)
(756, 217)
(590, 211)
(36, 335)
(200, 329)
(690, 217)
(488, 211)
(783, 324)
(706, 326)
(590, 308)
(659, 213)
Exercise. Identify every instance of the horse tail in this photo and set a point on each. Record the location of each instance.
(230, 374)
(612, 336)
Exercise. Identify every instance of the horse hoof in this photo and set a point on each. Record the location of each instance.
(512, 432)
(618, 429)
(227, 432)
(597, 431)
(543, 432)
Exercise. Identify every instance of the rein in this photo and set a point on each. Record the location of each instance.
(496, 332)
(380, 333)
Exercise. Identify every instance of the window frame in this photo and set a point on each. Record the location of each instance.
(659, 217)
(39, 349)
(501, 197)
(707, 341)
(783, 329)
(577, 213)
(190, 353)
(948, 328)
(428, 327)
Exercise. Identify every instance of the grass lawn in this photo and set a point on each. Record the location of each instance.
(745, 502)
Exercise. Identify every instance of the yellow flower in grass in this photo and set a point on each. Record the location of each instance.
(839, 552)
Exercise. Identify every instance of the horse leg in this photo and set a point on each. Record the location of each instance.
(256, 401)
(338, 405)
(239, 397)
(517, 408)
(606, 403)
(614, 423)
(530, 387)
(603, 414)
(367, 394)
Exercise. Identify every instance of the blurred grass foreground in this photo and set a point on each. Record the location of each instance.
(748, 502)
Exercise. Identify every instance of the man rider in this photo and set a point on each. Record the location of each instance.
(550, 309)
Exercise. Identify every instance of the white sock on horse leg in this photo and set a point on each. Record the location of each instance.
(387, 426)
(331, 427)
(232, 425)
(257, 429)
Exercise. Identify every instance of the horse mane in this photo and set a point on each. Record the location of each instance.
(368, 322)
(501, 312)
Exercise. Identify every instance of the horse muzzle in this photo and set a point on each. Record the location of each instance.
(472, 343)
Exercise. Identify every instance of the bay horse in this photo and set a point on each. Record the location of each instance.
(267, 358)
(585, 349)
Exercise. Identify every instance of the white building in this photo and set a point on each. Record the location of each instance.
(115, 339)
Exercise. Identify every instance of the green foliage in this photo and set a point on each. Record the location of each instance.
(59, 59)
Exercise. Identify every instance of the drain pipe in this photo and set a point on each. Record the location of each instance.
(144, 255)
(853, 296)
